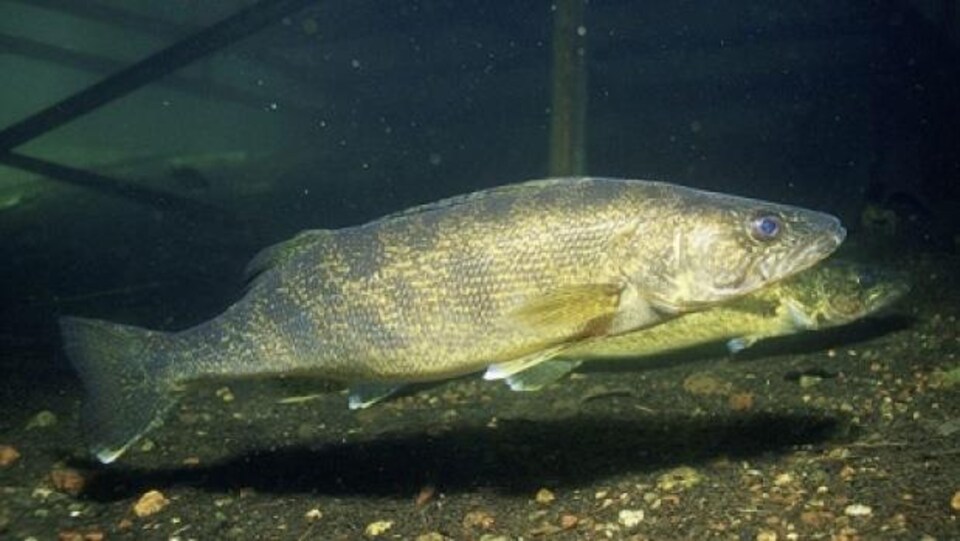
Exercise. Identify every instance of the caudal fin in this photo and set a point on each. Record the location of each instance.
(125, 373)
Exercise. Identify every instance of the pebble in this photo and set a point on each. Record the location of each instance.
(478, 519)
(151, 503)
(432, 536)
(68, 480)
(313, 515)
(8, 455)
(767, 535)
(378, 528)
(225, 394)
(74, 535)
(955, 501)
(545, 496)
(857, 510)
(683, 477)
(568, 521)
(630, 518)
(740, 401)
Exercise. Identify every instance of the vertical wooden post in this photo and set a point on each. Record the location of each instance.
(568, 110)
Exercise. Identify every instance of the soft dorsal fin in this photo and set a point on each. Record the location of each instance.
(276, 254)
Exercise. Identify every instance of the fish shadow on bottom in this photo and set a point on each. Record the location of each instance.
(516, 457)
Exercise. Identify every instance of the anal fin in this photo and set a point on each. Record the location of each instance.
(541, 375)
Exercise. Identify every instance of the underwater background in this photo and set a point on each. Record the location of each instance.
(149, 149)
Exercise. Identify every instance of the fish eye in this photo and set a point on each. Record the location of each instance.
(766, 227)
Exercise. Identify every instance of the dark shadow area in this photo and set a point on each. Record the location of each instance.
(516, 457)
(860, 331)
(797, 344)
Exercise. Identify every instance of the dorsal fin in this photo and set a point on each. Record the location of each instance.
(457, 200)
(276, 254)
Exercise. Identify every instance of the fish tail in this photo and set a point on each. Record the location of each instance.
(126, 374)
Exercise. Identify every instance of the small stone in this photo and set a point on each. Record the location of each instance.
(44, 419)
(225, 394)
(378, 528)
(857, 510)
(568, 521)
(313, 515)
(545, 497)
(783, 479)
(681, 478)
(955, 501)
(766, 535)
(68, 480)
(630, 518)
(8, 455)
(478, 519)
(150, 503)
(432, 536)
(807, 381)
(741, 401)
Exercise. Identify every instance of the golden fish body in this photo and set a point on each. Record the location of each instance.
(504, 278)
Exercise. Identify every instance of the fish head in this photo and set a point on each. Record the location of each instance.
(711, 248)
(839, 292)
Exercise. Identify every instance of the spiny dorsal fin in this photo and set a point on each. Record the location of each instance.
(281, 252)
(457, 200)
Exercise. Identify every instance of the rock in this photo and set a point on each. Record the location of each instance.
(68, 480)
(378, 528)
(478, 519)
(151, 503)
(568, 521)
(545, 497)
(680, 478)
(313, 515)
(8, 455)
(766, 535)
(630, 518)
(432, 536)
(955, 501)
(857, 510)
(741, 401)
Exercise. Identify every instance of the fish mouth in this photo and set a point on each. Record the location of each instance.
(806, 255)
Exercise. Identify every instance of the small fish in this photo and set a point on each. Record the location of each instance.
(830, 294)
(502, 279)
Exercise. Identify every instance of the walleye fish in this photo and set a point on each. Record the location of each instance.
(830, 294)
(502, 279)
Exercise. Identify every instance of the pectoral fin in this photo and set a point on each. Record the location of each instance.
(509, 368)
(736, 345)
(791, 319)
(538, 377)
(584, 307)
